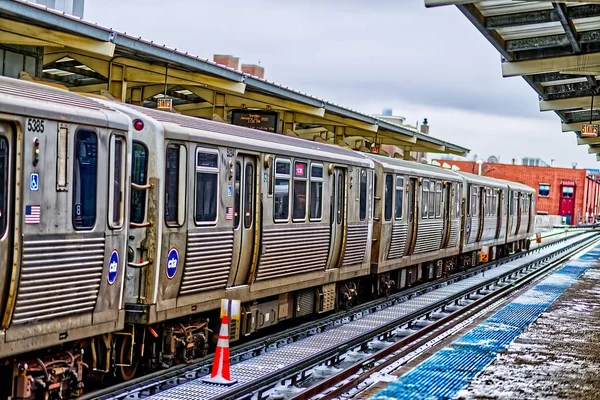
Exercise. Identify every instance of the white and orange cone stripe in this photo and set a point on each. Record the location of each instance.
(220, 373)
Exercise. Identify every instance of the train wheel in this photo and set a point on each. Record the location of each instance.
(127, 361)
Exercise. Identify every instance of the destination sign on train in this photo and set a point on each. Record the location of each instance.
(589, 130)
(256, 119)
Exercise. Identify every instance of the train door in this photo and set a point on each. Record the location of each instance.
(412, 215)
(244, 223)
(338, 215)
(138, 236)
(567, 204)
(448, 200)
(482, 211)
(518, 211)
(499, 200)
(7, 182)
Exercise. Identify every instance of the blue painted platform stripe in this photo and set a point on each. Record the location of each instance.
(451, 369)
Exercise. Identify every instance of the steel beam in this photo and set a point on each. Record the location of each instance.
(58, 38)
(536, 43)
(593, 150)
(520, 19)
(573, 103)
(567, 24)
(586, 64)
(576, 126)
(586, 141)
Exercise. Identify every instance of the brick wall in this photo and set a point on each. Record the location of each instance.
(585, 188)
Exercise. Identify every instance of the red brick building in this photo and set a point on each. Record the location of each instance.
(567, 192)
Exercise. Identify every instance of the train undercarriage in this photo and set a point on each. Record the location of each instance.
(64, 372)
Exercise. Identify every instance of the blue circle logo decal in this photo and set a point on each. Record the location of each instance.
(113, 267)
(172, 263)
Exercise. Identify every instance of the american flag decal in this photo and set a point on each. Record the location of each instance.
(229, 214)
(32, 214)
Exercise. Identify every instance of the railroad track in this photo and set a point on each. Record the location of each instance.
(163, 380)
(359, 376)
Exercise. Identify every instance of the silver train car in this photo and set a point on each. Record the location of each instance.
(124, 227)
(64, 162)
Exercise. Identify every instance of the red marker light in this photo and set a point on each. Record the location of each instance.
(138, 124)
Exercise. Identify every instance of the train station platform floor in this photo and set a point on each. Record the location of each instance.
(544, 344)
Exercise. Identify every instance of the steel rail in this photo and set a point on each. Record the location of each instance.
(263, 344)
(289, 372)
(389, 355)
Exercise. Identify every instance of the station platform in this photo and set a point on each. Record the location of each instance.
(545, 343)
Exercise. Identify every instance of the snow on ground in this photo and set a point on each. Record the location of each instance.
(558, 357)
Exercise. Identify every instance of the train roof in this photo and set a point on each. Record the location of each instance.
(20, 97)
(483, 180)
(212, 132)
(519, 186)
(397, 164)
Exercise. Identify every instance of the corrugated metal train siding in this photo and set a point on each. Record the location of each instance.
(290, 251)
(356, 244)
(207, 261)
(59, 277)
(490, 224)
(398, 242)
(474, 230)
(429, 235)
(454, 233)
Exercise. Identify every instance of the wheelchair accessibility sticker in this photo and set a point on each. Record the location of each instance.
(34, 182)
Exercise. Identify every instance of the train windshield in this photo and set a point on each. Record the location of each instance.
(3, 184)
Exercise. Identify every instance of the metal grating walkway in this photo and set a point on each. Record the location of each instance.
(451, 369)
(257, 367)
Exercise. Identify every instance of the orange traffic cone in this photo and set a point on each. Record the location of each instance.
(220, 370)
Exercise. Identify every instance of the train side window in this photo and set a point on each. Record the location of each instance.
(389, 193)
(175, 184)
(457, 196)
(399, 196)
(281, 198)
(363, 194)
(474, 205)
(116, 179)
(4, 163)
(85, 179)
(431, 206)
(300, 186)
(237, 199)
(207, 185)
(371, 194)
(341, 198)
(438, 199)
(61, 162)
(248, 193)
(425, 198)
(139, 176)
(316, 192)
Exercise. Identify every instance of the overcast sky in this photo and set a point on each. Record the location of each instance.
(366, 55)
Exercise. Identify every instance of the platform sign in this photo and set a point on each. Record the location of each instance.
(256, 119)
(231, 308)
(164, 104)
(589, 130)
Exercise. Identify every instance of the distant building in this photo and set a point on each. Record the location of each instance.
(72, 7)
(535, 162)
(568, 192)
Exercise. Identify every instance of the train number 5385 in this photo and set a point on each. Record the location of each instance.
(35, 125)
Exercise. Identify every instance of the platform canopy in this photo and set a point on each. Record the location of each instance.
(89, 58)
(554, 46)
